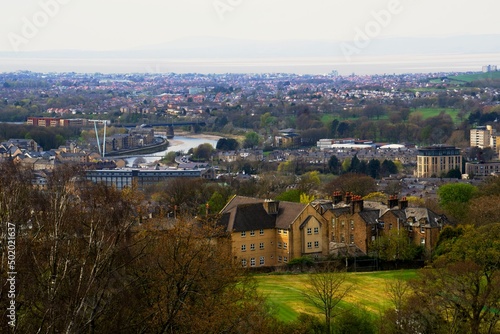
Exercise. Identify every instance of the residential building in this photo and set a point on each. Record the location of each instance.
(481, 136)
(481, 169)
(435, 161)
(271, 233)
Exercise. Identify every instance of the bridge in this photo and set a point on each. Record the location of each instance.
(169, 126)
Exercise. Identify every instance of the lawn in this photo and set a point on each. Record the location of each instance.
(432, 112)
(475, 76)
(285, 292)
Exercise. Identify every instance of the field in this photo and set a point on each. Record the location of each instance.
(285, 292)
(476, 76)
(432, 112)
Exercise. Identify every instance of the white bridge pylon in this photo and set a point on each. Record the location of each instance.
(102, 151)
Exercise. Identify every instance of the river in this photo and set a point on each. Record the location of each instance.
(177, 144)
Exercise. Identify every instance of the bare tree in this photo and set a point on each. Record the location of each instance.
(326, 289)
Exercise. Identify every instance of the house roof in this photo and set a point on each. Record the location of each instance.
(247, 213)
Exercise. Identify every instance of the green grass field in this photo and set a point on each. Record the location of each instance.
(475, 76)
(285, 292)
(432, 112)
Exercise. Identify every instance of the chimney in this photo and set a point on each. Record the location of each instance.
(403, 203)
(392, 202)
(337, 197)
(271, 206)
(356, 204)
(348, 197)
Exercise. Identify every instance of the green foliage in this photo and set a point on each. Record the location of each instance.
(292, 195)
(251, 140)
(227, 144)
(396, 245)
(355, 320)
(453, 197)
(203, 152)
(306, 199)
(169, 158)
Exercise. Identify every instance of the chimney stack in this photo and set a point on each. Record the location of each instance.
(337, 197)
(356, 204)
(392, 202)
(403, 203)
(348, 197)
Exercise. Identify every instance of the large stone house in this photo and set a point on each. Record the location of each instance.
(271, 233)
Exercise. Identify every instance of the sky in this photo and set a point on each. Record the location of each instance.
(129, 24)
(30, 25)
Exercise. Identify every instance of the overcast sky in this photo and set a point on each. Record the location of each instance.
(126, 24)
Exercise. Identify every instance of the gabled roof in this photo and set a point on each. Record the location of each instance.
(248, 213)
(288, 212)
(370, 216)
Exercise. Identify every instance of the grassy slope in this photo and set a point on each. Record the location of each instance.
(284, 292)
(432, 112)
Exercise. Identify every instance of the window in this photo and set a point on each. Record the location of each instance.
(342, 223)
(422, 241)
(316, 244)
(422, 229)
(261, 261)
(285, 259)
(243, 248)
(252, 233)
(279, 244)
(352, 224)
(316, 230)
(252, 246)
(309, 230)
(309, 244)
(279, 231)
(261, 232)
(351, 238)
(243, 234)
(252, 262)
(390, 226)
(285, 232)
(280, 258)
(284, 245)
(243, 263)
(261, 245)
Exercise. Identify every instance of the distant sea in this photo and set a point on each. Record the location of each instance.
(356, 65)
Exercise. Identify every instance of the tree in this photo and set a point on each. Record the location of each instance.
(374, 168)
(454, 174)
(463, 283)
(484, 210)
(203, 152)
(334, 165)
(251, 140)
(227, 144)
(453, 197)
(325, 290)
(72, 256)
(388, 167)
(358, 184)
(396, 246)
(190, 284)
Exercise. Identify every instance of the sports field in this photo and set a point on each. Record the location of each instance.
(285, 292)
